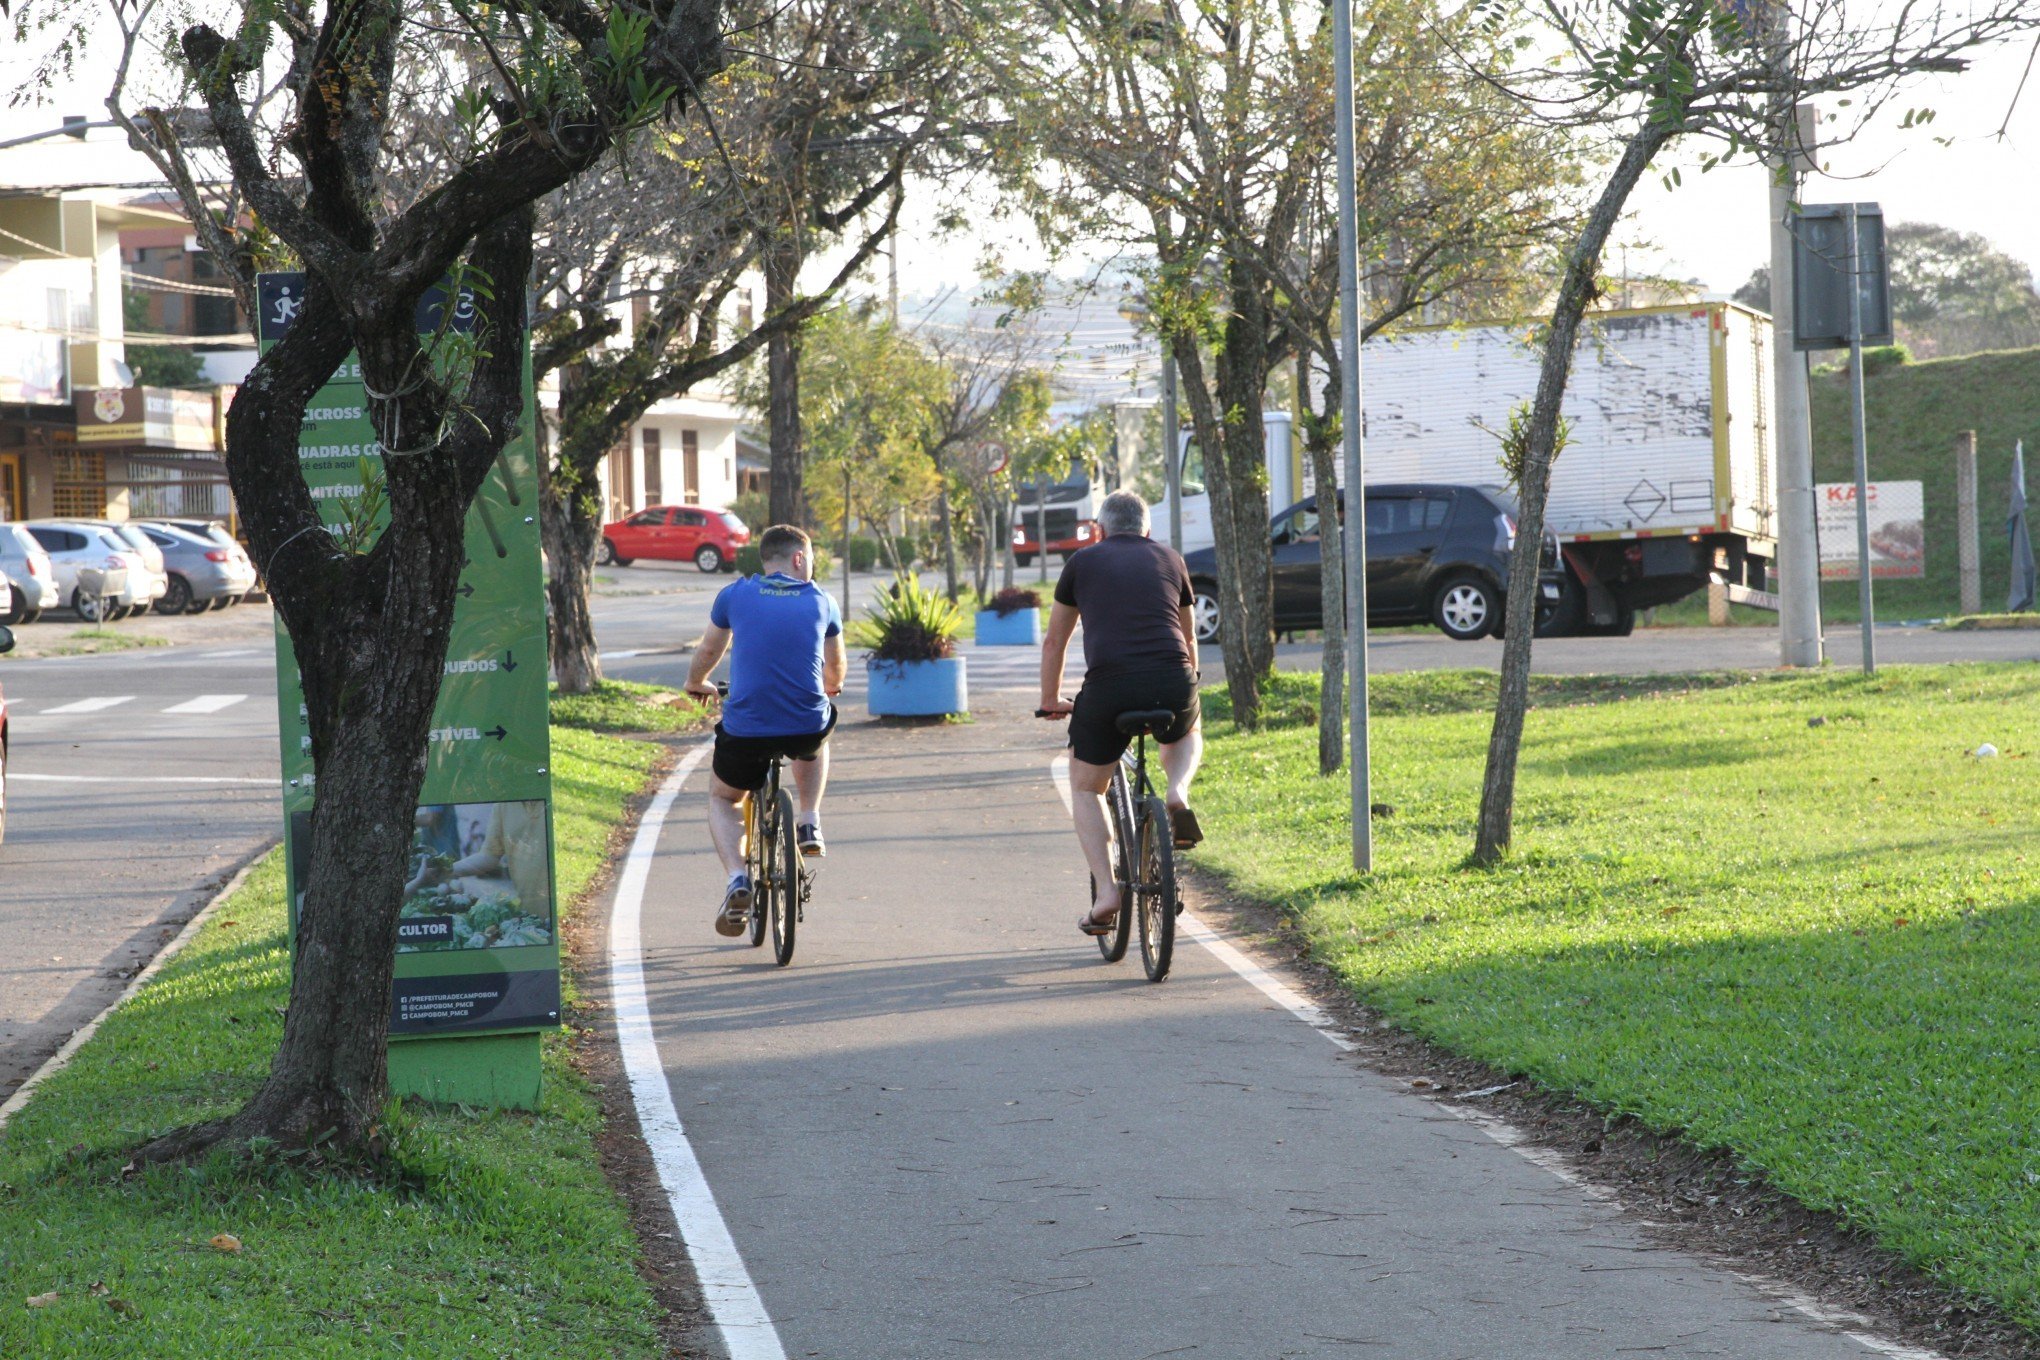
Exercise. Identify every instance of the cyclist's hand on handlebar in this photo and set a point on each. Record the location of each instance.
(707, 691)
(1060, 708)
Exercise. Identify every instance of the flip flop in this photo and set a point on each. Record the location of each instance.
(1183, 823)
(1091, 926)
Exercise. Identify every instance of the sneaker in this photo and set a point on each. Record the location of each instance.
(809, 834)
(735, 916)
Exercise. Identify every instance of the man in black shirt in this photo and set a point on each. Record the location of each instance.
(1140, 652)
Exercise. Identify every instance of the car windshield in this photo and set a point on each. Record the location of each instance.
(23, 539)
(132, 536)
(731, 522)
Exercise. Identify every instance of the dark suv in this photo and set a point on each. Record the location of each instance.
(1435, 552)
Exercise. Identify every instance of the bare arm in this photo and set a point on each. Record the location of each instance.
(1186, 615)
(714, 642)
(1055, 649)
(835, 665)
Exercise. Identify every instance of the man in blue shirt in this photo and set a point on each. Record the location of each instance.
(789, 660)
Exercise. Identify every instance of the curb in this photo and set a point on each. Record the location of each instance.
(61, 1059)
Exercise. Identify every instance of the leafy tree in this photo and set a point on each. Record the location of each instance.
(319, 162)
(1646, 74)
(157, 365)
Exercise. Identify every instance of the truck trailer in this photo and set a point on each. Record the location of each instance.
(1668, 480)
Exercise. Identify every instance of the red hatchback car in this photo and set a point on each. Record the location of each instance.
(676, 533)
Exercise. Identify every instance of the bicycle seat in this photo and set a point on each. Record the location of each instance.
(1149, 720)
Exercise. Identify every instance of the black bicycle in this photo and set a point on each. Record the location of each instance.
(780, 884)
(1143, 850)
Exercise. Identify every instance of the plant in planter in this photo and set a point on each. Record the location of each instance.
(913, 670)
(1012, 618)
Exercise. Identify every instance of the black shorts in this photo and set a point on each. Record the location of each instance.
(742, 762)
(1095, 737)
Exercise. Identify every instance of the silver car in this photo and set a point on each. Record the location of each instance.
(208, 570)
(73, 544)
(155, 582)
(31, 580)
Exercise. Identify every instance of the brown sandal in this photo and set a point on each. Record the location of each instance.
(1183, 824)
(1091, 926)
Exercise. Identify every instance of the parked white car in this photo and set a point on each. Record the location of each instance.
(73, 544)
(155, 583)
(31, 580)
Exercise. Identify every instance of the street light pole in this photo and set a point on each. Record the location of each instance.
(1349, 377)
(1172, 449)
(1863, 591)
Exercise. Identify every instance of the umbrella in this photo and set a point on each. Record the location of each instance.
(2021, 596)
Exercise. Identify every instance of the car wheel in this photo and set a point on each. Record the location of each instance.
(177, 598)
(1466, 608)
(1204, 610)
(17, 608)
(607, 555)
(222, 602)
(709, 558)
(32, 616)
(90, 608)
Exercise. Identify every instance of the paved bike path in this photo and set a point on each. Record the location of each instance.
(949, 1130)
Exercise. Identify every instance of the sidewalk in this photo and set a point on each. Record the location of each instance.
(950, 1130)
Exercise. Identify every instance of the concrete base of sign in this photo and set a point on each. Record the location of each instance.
(500, 1071)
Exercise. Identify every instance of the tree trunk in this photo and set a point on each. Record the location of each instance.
(1576, 292)
(1331, 740)
(948, 531)
(788, 494)
(570, 531)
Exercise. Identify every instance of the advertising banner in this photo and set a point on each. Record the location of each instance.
(477, 947)
(1898, 537)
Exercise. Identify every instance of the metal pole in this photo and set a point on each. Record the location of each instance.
(1041, 525)
(1172, 449)
(1862, 450)
(1349, 377)
(1799, 630)
(846, 543)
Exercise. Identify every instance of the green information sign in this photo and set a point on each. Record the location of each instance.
(477, 944)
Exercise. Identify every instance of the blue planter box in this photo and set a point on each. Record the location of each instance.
(1021, 628)
(917, 689)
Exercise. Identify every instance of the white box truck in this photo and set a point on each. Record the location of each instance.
(1669, 479)
(1285, 481)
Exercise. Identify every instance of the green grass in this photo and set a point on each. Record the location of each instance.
(1815, 946)
(1974, 623)
(488, 1234)
(624, 707)
(90, 641)
(1912, 414)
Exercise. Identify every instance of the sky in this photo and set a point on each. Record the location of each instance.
(1711, 229)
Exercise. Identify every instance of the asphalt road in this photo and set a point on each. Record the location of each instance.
(135, 781)
(950, 1130)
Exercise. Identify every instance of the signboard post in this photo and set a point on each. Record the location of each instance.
(477, 968)
(1842, 296)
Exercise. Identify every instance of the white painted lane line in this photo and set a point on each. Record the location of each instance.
(1500, 1130)
(733, 1300)
(223, 656)
(89, 705)
(137, 779)
(617, 656)
(207, 703)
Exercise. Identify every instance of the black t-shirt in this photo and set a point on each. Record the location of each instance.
(1129, 590)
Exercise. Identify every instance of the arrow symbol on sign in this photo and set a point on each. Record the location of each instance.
(465, 590)
(509, 661)
(497, 732)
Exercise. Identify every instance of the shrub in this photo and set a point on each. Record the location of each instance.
(910, 623)
(748, 563)
(1012, 600)
(1885, 357)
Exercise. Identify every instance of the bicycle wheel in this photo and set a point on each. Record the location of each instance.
(1156, 893)
(785, 852)
(757, 861)
(1119, 807)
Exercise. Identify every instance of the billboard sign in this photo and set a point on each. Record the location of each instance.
(1898, 539)
(478, 936)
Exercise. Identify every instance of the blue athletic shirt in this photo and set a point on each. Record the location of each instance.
(778, 623)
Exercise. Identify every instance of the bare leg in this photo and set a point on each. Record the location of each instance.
(1179, 765)
(1087, 809)
(726, 824)
(809, 778)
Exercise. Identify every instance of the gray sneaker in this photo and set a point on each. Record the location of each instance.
(735, 916)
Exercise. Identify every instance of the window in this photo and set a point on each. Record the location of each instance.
(690, 464)
(654, 459)
(1434, 510)
(693, 519)
(646, 518)
(1298, 527)
(78, 488)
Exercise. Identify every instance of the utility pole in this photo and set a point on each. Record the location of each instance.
(1349, 392)
(1172, 449)
(1799, 630)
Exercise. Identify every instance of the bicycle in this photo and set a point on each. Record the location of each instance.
(780, 885)
(1146, 879)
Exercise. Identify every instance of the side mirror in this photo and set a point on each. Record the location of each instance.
(6, 638)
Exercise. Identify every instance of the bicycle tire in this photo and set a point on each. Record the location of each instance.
(785, 850)
(756, 863)
(1157, 891)
(1119, 806)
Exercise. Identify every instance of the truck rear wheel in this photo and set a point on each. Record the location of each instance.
(1623, 625)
